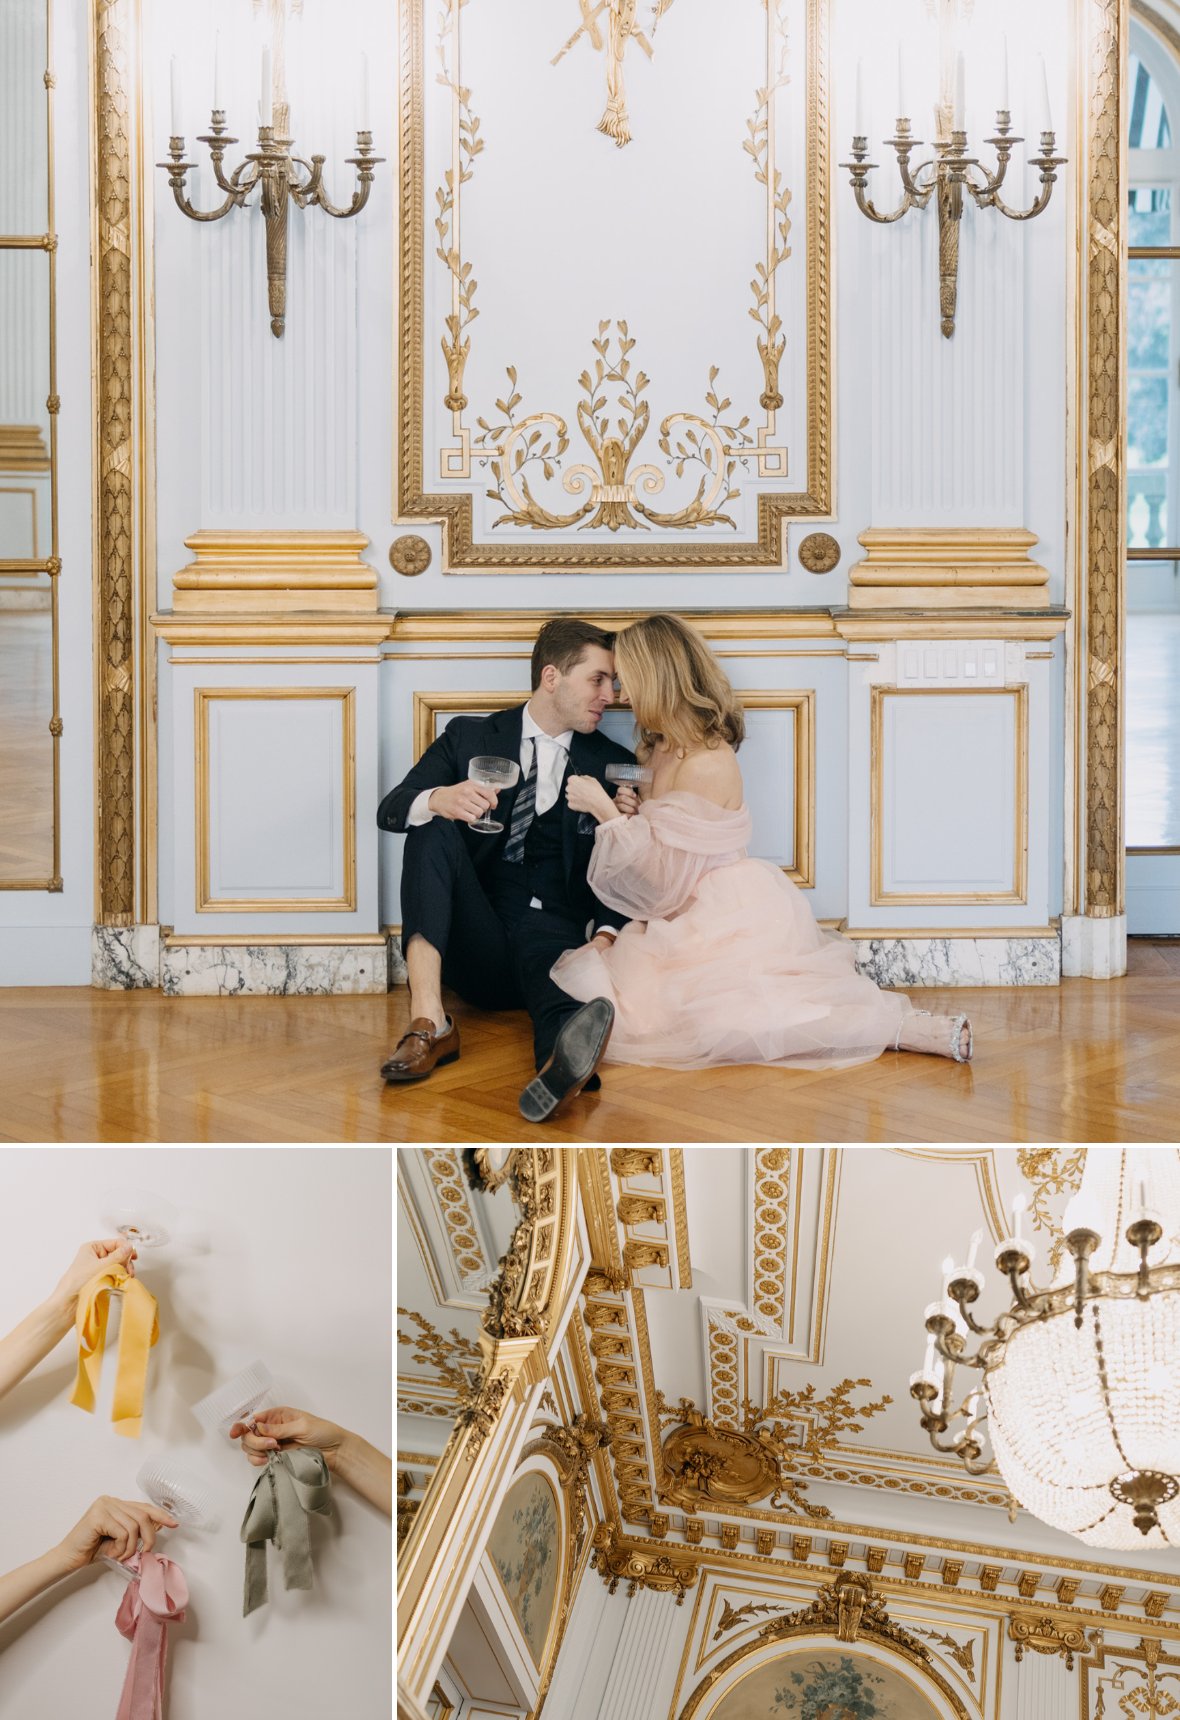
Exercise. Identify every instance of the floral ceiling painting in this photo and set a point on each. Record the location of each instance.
(824, 1685)
(525, 1547)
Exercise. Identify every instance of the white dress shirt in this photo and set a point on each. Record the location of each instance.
(553, 753)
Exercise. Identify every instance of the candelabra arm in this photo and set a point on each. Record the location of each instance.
(1048, 164)
(313, 191)
(178, 169)
(869, 208)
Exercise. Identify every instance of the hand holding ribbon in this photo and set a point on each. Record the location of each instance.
(138, 1331)
(156, 1600)
(293, 1484)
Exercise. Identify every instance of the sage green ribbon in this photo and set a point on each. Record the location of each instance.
(293, 1484)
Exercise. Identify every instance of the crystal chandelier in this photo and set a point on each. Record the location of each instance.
(1076, 1386)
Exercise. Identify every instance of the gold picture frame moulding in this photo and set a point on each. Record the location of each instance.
(206, 903)
(414, 503)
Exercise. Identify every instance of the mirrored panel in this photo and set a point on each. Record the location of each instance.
(30, 724)
(24, 194)
(26, 476)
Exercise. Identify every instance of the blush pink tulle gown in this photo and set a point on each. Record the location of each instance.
(722, 961)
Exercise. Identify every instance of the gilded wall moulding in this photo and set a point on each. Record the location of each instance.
(619, 1560)
(1050, 1172)
(455, 1360)
(1140, 1683)
(848, 1610)
(720, 462)
(1046, 1636)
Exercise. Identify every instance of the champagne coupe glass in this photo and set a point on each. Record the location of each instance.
(497, 773)
(140, 1216)
(237, 1400)
(175, 1490)
(635, 773)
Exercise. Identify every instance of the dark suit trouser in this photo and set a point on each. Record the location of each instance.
(495, 955)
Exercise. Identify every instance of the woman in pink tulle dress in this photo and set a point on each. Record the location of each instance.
(722, 961)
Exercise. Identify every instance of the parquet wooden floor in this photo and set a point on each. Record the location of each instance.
(1081, 1062)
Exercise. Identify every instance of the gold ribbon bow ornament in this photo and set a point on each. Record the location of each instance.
(139, 1329)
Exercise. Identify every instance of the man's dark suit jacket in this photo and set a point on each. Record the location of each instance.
(446, 760)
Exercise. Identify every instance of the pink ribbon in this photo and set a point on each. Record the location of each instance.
(157, 1599)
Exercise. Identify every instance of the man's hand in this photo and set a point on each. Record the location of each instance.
(276, 1429)
(114, 1527)
(463, 802)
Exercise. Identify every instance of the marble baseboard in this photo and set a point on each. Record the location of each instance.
(904, 962)
(397, 962)
(125, 958)
(274, 970)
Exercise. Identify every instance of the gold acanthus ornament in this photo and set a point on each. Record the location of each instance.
(614, 488)
(705, 1461)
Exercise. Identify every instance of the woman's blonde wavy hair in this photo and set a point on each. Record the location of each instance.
(678, 690)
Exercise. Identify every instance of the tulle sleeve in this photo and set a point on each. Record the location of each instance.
(648, 866)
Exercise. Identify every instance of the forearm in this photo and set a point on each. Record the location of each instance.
(368, 1471)
(28, 1581)
(31, 1341)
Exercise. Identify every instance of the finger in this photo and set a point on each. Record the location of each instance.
(122, 1530)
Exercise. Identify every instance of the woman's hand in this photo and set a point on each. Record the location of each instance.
(90, 1259)
(627, 799)
(586, 794)
(277, 1429)
(114, 1528)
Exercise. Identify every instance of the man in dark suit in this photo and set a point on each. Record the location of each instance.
(488, 915)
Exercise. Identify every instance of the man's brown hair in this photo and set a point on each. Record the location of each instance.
(563, 643)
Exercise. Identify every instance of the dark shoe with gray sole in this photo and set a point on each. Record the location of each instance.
(576, 1055)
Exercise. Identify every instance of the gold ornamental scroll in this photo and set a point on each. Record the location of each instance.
(666, 403)
(114, 609)
(524, 1321)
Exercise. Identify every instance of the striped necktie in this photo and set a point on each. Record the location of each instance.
(523, 809)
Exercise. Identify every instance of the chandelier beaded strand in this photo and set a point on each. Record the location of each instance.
(1074, 1386)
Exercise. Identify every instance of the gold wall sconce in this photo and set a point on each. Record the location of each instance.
(284, 177)
(952, 169)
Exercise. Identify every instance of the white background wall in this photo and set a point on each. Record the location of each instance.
(282, 1256)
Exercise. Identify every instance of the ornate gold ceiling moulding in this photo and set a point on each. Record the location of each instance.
(614, 490)
(651, 1210)
(1045, 1636)
(526, 1304)
(1050, 1172)
(572, 1450)
(619, 1560)
(848, 1610)
(455, 1360)
(703, 1463)
(462, 1233)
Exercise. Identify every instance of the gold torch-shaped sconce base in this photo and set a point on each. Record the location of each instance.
(944, 177)
(284, 179)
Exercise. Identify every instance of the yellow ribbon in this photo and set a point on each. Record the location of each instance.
(138, 1330)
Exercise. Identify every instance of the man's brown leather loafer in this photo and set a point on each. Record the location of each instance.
(420, 1050)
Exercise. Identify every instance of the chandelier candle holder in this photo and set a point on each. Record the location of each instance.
(284, 177)
(1075, 1385)
(950, 171)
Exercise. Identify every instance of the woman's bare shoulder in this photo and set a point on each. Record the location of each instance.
(713, 773)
